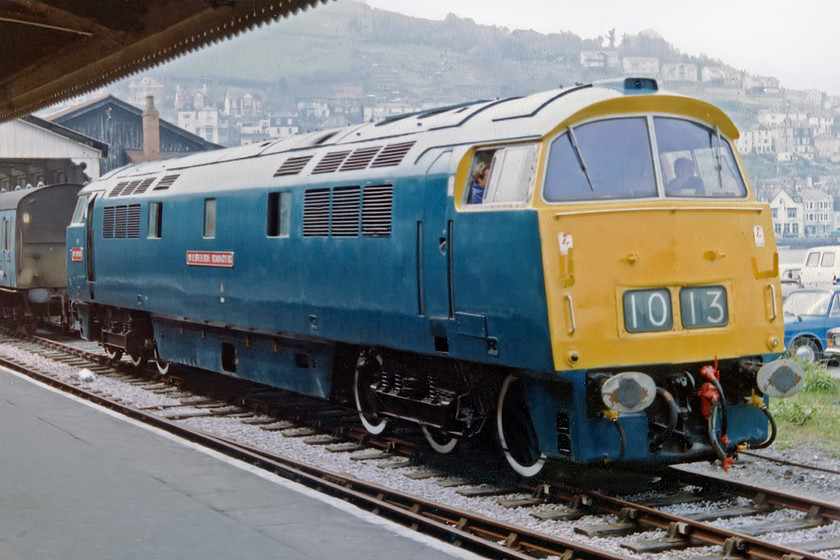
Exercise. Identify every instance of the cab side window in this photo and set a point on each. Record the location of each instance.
(502, 175)
(479, 174)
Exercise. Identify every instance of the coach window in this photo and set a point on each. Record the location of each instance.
(209, 218)
(155, 217)
(279, 214)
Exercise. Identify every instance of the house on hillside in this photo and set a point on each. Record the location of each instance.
(801, 213)
(241, 103)
(640, 65)
(120, 125)
(680, 73)
(599, 59)
(756, 141)
(140, 89)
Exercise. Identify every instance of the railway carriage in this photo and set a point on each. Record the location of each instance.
(592, 307)
(33, 282)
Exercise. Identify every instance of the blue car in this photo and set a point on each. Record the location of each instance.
(809, 314)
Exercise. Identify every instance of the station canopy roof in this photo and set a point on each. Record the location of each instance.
(58, 49)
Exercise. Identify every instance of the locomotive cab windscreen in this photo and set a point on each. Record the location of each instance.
(614, 159)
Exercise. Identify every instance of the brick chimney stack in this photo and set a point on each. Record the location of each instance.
(151, 130)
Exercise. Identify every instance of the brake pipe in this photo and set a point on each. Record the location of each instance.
(673, 415)
(758, 402)
(612, 416)
(711, 374)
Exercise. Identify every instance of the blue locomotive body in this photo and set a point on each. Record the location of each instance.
(351, 265)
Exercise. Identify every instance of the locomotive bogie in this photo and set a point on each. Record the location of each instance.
(540, 267)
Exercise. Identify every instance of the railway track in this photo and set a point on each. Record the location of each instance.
(568, 521)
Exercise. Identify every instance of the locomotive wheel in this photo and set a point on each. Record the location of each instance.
(368, 373)
(137, 360)
(162, 365)
(113, 354)
(439, 440)
(515, 430)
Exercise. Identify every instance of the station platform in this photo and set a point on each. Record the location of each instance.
(78, 482)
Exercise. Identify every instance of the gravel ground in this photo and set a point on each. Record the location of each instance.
(825, 486)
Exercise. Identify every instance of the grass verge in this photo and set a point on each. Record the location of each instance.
(811, 417)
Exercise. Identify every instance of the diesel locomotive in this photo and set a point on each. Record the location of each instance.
(584, 271)
(33, 283)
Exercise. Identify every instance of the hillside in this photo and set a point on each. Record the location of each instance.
(346, 54)
(391, 56)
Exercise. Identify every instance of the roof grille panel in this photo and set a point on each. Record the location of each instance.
(292, 166)
(377, 204)
(316, 213)
(330, 162)
(346, 206)
(360, 158)
(165, 183)
(392, 155)
(144, 186)
(118, 189)
(129, 188)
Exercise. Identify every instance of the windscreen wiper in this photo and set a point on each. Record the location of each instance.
(582, 163)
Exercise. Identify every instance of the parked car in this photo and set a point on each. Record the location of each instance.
(832, 351)
(809, 314)
(821, 266)
(790, 280)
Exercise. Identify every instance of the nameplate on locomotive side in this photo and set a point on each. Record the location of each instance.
(222, 259)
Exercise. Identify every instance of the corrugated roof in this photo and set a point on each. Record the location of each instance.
(59, 49)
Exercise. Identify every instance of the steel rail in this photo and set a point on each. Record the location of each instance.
(680, 529)
(463, 529)
(408, 510)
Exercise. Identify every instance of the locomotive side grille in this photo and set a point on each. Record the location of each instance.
(316, 213)
(392, 155)
(118, 189)
(144, 186)
(330, 162)
(345, 212)
(165, 183)
(121, 222)
(132, 230)
(292, 166)
(377, 205)
(108, 222)
(360, 159)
